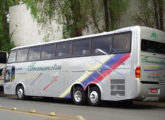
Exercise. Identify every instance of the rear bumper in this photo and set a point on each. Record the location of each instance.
(146, 93)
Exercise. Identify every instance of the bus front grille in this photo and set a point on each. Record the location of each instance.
(118, 87)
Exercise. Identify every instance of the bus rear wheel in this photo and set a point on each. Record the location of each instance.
(94, 96)
(20, 92)
(78, 96)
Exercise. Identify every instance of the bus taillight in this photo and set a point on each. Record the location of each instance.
(138, 72)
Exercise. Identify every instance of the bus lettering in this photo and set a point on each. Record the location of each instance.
(44, 68)
(145, 60)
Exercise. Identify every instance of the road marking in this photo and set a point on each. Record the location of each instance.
(50, 115)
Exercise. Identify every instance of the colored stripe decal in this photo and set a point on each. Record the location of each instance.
(55, 79)
(35, 79)
(103, 69)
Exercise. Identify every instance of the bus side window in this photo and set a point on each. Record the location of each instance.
(81, 47)
(22, 55)
(48, 52)
(34, 53)
(102, 43)
(122, 42)
(63, 50)
(12, 56)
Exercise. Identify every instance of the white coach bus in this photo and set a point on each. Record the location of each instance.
(124, 64)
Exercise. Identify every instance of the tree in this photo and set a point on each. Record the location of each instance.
(75, 17)
(151, 13)
(5, 42)
(158, 6)
(110, 11)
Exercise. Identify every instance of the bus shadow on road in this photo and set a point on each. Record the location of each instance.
(135, 105)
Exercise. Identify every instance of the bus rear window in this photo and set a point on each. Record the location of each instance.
(152, 46)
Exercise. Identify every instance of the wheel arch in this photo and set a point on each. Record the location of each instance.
(75, 85)
(19, 84)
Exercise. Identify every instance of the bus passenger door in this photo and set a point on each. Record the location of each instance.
(8, 80)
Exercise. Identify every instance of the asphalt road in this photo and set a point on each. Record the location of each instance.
(40, 109)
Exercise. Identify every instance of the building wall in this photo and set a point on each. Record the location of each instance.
(24, 29)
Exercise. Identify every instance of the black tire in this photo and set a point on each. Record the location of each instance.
(20, 92)
(78, 96)
(94, 96)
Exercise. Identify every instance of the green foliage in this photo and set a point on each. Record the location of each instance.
(32, 4)
(151, 13)
(145, 14)
(5, 42)
(41, 10)
(8, 44)
(117, 8)
(75, 17)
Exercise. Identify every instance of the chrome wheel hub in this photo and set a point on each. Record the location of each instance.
(94, 96)
(20, 93)
(77, 96)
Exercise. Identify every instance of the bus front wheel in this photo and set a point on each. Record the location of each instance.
(20, 92)
(78, 96)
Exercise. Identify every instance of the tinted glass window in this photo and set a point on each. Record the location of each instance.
(48, 52)
(3, 57)
(34, 53)
(121, 42)
(101, 45)
(22, 55)
(63, 50)
(81, 47)
(12, 56)
(151, 46)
